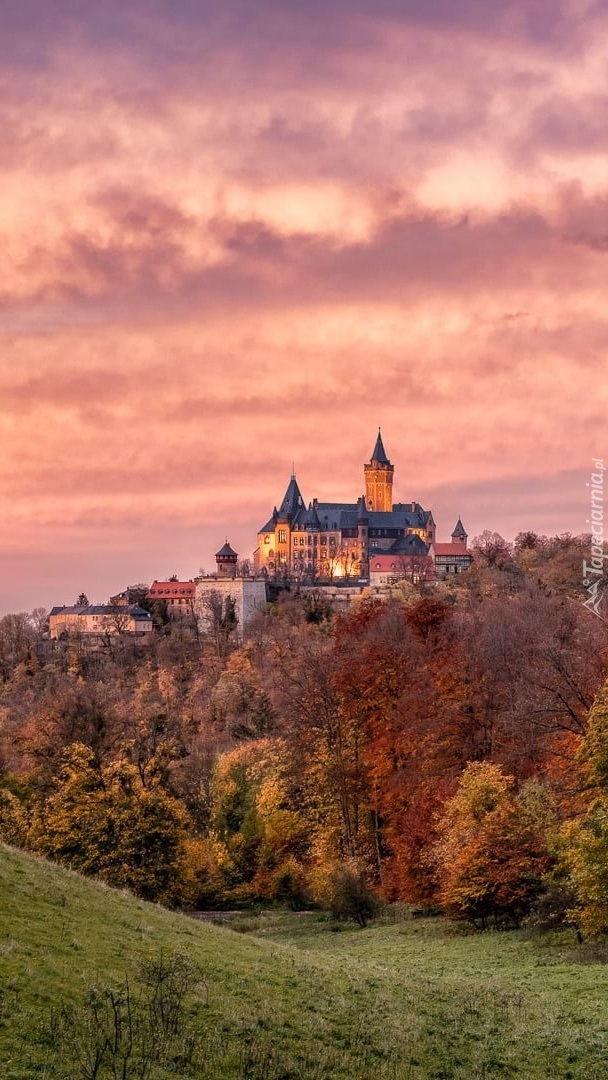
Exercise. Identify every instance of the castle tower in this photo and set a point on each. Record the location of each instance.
(460, 536)
(226, 561)
(379, 479)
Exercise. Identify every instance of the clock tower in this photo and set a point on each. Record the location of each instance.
(379, 480)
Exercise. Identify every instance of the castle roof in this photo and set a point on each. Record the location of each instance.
(459, 529)
(452, 549)
(292, 500)
(312, 517)
(171, 590)
(226, 552)
(414, 513)
(102, 609)
(410, 544)
(332, 516)
(379, 454)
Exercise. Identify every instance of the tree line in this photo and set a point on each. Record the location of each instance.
(445, 747)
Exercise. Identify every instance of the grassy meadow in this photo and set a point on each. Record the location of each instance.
(97, 984)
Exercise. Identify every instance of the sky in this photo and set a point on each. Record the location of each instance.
(239, 237)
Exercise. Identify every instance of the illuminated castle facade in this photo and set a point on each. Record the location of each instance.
(328, 540)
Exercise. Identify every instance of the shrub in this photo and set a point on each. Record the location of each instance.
(350, 896)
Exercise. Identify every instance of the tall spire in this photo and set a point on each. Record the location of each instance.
(379, 454)
(292, 499)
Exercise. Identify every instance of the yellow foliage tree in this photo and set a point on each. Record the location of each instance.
(101, 820)
(583, 842)
(492, 850)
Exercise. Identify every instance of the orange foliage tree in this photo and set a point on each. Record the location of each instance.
(492, 848)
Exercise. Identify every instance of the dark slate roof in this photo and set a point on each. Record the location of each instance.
(137, 611)
(379, 453)
(312, 518)
(226, 552)
(337, 515)
(361, 509)
(332, 516)
(409, 545)
(416, 518)
(459, 529)
(103, 609)
(292, 500)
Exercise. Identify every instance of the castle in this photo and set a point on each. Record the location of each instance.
(328, 540)
(372, 542)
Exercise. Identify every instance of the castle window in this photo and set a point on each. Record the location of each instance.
(282, 536)
(266, 539)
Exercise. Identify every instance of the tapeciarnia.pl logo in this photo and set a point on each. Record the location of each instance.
(593, 571)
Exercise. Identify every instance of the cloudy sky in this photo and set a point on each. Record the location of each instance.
(239, 235)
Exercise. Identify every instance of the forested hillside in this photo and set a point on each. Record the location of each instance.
(441, 746)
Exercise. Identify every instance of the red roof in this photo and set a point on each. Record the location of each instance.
(172, 590)
(451, 549)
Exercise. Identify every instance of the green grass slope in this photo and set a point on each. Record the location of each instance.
(89, 978)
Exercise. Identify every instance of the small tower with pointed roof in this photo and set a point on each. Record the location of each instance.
(379, 479)
(226, 560)
(292, 500)
(459, 535)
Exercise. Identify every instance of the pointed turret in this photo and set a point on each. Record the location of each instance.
(459, 535)
(379, 455)
(292, 500)
(226, 559)
(313, 521)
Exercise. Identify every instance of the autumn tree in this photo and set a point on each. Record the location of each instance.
(584, 839)
(328, 741)
(491, 547)
(239, 700)
(256, 830)
(219, 618)
(17, 638)
(492, 849)
(101, 821)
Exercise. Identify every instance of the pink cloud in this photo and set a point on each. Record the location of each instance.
(237, 238)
